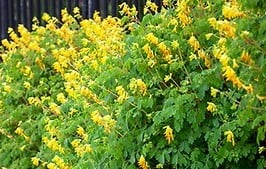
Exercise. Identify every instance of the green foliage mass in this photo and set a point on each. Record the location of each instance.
(86, 93)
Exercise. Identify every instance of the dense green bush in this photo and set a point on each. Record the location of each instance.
(183, 88)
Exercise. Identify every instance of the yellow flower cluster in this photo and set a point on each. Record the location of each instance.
(214, 92)
(7, 88)
(224, 27)
(27, 72)
(60, 162)
(165, 51)
(147, 49)
(143, 164)
(81, 132)
(230, 75)
(105, 121)
(63, 57)
(202, 55)
(261, 149)
(194, 43)
(81, 149)
(55, 109)
(53, 144)
(168, 134)
(150, 7)
(152, 39)
(35, 161)
(27, 85)
(20, 131)
(245, 57)
(53, 131)
(211, 107)
(126, 10)
(220, 52)
(8, 45)
(183, 12)
(71, 57)
(61, 98)
(165, 3)
(231, 10)
(137, 85)
(230, 137)
(34, 101)
(84, 91)
(122, 94)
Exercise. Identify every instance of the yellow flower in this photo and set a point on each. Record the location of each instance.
(96, 117)
(76, 10)
(151, 38)
(175, 44)
(231, 11)
(142, 163)
(46, 17)
(39, 62)
(34, 100)
(27, 85)
(138, 85)
(261, 98)
(108, 124)
(87, 148)
(230, 137)
(206, 59)
(224, 59)
(150, 5)
(75, 143)
(142, 86)
(163, 48)
(148, 51)
(81, 133)
(168, 134)
(214, 92)
(167, 77)
(55, 108)
(23, 147)
(235, 65)
(159, 165)
(230, 75)
(165, 3)
(183, 12)
(7, 88)
(82, 149)
(52, 166)
(53, 144)
(59, 162)
(35, 161)
(224, 27)
(192, 57)
(122, 94)
(193, 42)
(19, 131)
(261, 149)
(72, 111)
(248, 88)
(61, 98)
(245, 57)
(208, 35)
(211, 107)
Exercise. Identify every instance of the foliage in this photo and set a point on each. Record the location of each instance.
(183, 88)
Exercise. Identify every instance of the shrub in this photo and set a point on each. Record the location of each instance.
(183, 88)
